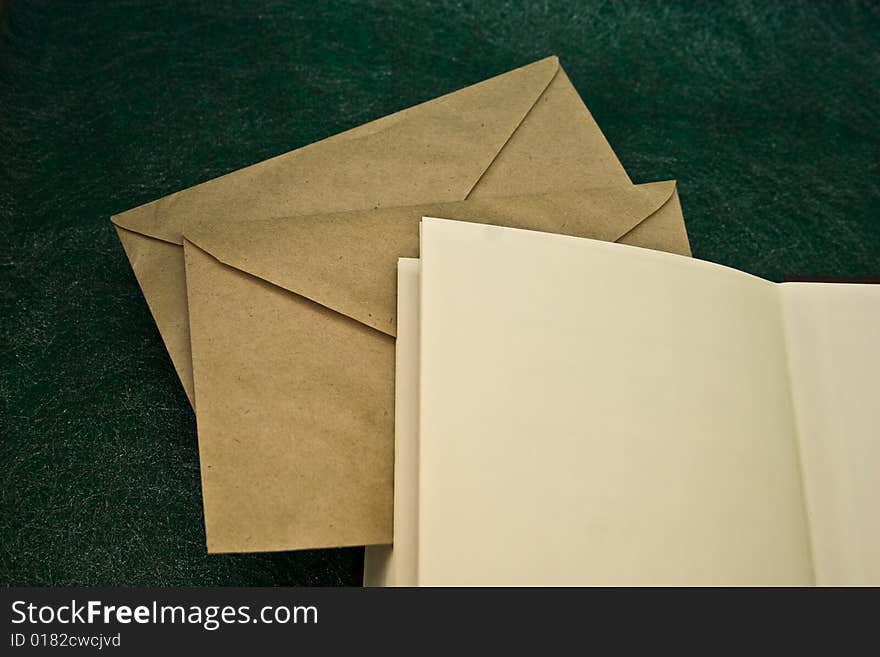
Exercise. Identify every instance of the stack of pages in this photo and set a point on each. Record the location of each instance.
(564, 410)
(614, 415)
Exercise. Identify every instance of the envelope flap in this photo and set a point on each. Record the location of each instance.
(433, 152)
(348, 261)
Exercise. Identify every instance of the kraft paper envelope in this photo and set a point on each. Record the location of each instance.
(523, 132)
(292, 326)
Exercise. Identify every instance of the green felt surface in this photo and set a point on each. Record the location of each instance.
(765, 112)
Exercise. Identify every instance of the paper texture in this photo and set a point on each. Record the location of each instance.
(833, 337)
(292, 326)
(733, 443)
(606, 415)
(382, 565)
(523, 132)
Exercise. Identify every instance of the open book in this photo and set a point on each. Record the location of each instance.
(572, 411)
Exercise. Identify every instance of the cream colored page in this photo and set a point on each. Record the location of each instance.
(593, 413)
(384, 565)
(834, 354)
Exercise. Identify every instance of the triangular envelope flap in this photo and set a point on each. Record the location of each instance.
(432, 152)
(559, 146)
(348, 261)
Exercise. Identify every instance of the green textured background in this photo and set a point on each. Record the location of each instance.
(766, 113)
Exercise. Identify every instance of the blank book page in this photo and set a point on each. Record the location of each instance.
(570, 430)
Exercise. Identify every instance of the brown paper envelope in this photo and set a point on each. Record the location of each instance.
(292, 326)
(523, 132)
